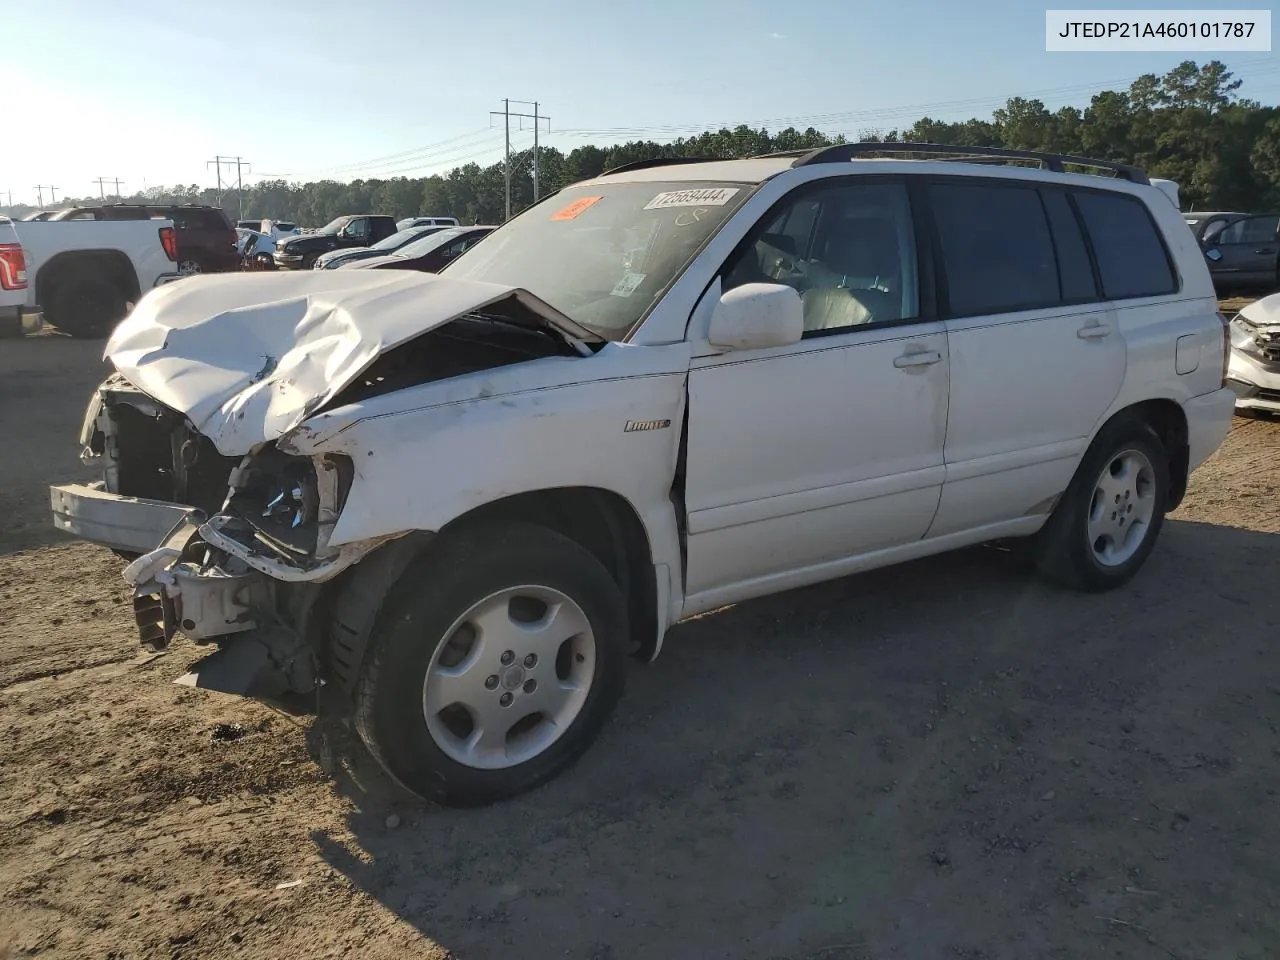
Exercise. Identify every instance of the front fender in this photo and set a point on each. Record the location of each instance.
(420, 469)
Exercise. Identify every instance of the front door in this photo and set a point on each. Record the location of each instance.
(1249, 251)
(802, 457)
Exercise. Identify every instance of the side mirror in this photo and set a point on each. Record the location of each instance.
(757, 315)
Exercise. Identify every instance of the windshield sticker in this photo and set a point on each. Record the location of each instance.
(574, 210)
(627, 285)
(712, 197)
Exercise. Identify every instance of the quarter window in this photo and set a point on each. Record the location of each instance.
(1132, 260)
(997, 251)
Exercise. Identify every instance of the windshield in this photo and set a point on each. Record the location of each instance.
(432, 241)
(333, 226)
(398, 240)
(603, 253)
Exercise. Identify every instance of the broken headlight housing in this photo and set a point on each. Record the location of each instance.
(289, 504)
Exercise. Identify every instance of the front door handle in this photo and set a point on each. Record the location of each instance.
(924, 358)
(1266, 250)
(1094, 331)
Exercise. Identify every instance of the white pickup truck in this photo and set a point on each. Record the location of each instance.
(81, 274)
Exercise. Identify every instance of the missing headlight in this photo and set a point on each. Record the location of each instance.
(291, 502)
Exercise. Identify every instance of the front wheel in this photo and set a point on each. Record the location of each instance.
(497, 659)
(1106, 524)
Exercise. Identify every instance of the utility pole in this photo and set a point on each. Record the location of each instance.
(240, 188)
(102, 182)
(239, 162)
(216, 163)
(506, 158)
(506, 115)
(41, 188)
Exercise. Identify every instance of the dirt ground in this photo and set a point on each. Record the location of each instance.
(943, 760)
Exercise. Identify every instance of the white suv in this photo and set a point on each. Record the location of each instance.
(466, 499)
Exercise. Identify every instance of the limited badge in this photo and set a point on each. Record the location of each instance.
(635, 425)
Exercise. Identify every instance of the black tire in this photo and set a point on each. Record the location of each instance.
(86, 306)
(1063, 550)
(10, 327)
(309, 261)
(434, 592)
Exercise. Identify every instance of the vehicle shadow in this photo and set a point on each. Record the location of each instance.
(946, 758)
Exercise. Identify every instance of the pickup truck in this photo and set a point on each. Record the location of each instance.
(83, 275)
(363, 230)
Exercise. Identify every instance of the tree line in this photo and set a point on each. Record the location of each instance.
(1190, 125)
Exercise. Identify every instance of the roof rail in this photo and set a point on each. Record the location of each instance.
(1051, 161)
(656, 162)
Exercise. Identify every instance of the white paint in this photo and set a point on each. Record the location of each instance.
(806, 458)
(247, 357)
(137, 240)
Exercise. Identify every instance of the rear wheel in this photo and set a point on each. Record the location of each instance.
(86, 306)
(1106, 524)
(497, 660)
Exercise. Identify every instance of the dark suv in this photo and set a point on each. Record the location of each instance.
(206, 239)
(353, 230)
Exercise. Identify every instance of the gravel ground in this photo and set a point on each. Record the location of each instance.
(944, 759)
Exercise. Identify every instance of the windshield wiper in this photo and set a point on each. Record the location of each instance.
(542, 326)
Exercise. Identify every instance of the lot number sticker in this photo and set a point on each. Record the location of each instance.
(573, 210)
(713, 197)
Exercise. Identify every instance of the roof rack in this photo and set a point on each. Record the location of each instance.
(1051, 161)
(657, 162)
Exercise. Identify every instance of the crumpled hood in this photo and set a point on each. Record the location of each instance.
(248, 357)
(1264, 312)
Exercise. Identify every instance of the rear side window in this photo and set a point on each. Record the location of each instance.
(996, 248)
(1132, 260)
(1075, 272)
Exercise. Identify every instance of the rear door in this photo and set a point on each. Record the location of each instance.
(1248, 250)
(1036, 356)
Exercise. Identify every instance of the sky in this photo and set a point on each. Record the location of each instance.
(149, 91)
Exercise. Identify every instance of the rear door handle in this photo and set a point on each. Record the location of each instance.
(1266, 250)
(1094, 331)
(924, 358)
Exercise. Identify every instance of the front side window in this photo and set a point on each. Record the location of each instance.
(997, 251)
(357, 229)
(603, 253)
(1132, 260)
(1250, 230)
(848, 249)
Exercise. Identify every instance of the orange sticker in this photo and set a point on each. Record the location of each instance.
(573, 210)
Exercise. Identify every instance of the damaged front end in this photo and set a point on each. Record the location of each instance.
(242, 541)
(212, 480)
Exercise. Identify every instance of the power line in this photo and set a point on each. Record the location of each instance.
(388, 159)
(41, 188)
